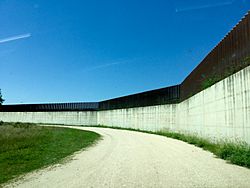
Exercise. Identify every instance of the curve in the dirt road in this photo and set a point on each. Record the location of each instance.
(133, 159)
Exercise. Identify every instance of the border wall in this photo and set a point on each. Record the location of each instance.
(51, 107)
(55, 117)
(221, 111)
(167, 95)
(229, 56)
(213, 101)
(54, 113)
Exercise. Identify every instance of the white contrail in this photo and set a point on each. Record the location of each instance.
(17, 37)
(108, 65)
(102, 66)
(204, 6)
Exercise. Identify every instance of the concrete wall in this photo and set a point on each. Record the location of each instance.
(151, 118)
(70, 118)
(219, 112)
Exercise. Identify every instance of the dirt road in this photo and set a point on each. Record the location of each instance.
(133, 159)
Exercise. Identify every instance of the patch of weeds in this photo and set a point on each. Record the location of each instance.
(22, 125)
(235, 153)
(209, 82)
(246, 61)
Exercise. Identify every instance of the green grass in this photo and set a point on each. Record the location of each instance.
(234, 152)
(26, 147)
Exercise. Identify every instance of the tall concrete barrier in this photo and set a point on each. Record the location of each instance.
(221, 111)
(69, 118)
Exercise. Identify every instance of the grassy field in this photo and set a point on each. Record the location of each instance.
(26, 147)
(235, 153)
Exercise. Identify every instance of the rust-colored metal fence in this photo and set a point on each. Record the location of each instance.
(81, 106)
(165, 95)
(229, 56)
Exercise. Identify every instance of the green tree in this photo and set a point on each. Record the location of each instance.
(1, 98)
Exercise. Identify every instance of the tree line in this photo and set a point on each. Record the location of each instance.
(1, 98)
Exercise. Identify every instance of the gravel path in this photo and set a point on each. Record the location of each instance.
(133, 159)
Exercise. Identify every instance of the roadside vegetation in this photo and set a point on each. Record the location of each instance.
(25, 147)
(235, 153)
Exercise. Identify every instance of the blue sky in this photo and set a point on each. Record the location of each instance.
(90, 50)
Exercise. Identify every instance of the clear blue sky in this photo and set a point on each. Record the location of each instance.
(90, 50)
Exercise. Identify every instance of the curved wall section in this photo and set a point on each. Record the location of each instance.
(221, 111)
